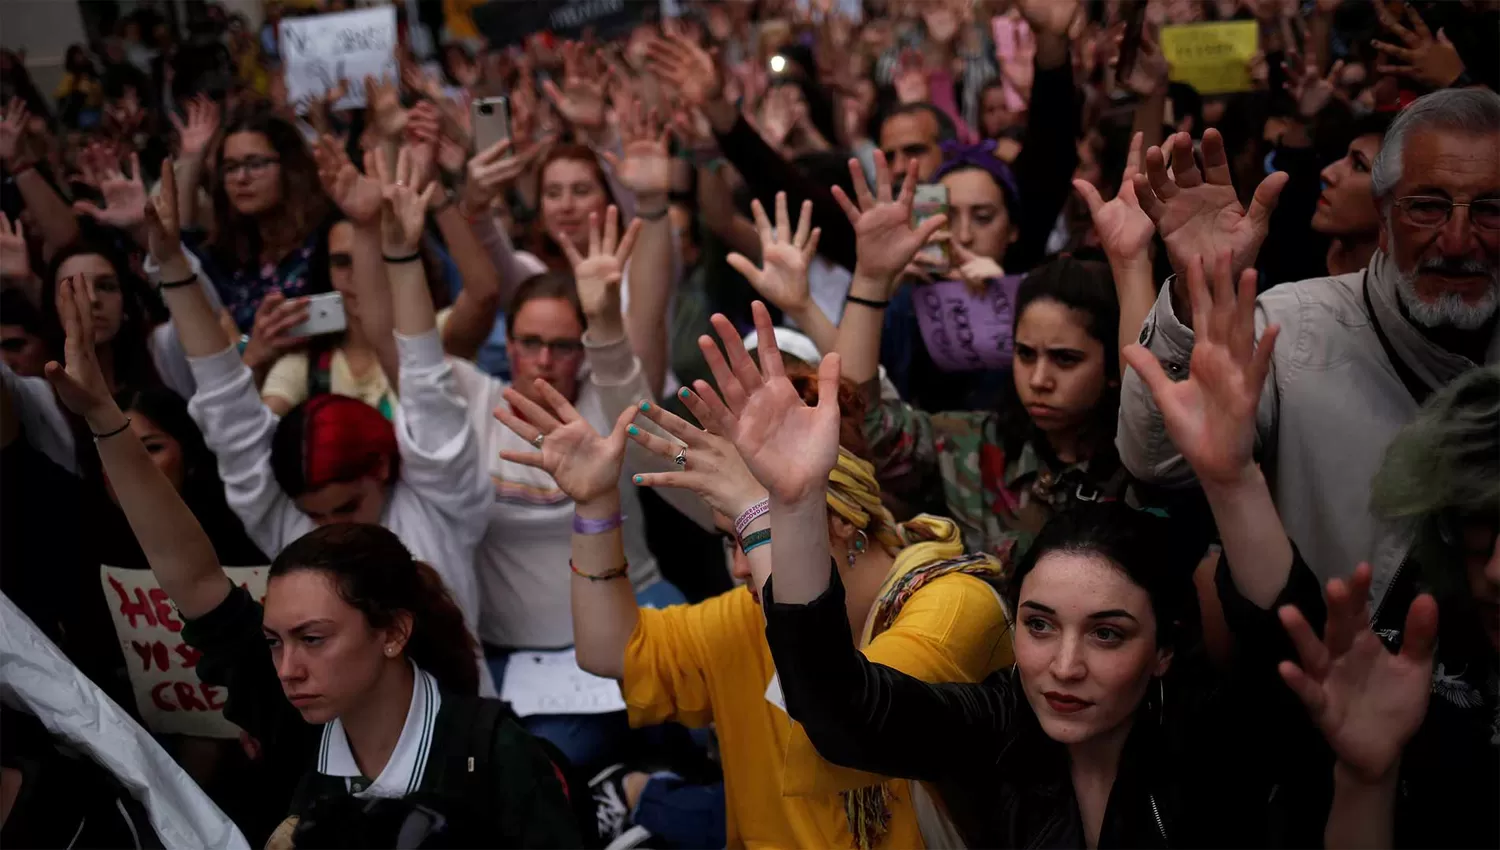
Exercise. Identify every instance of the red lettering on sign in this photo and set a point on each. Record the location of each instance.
(184, 696)
(159, 699)
(164, 611)
(213, 696)
(139, 608)
(189, 655)
(155, 651)
(187, 697)
(144, 651)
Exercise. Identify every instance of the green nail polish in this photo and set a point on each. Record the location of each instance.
(645, 405)
(632, 430)
(638, 479)
(683, 392)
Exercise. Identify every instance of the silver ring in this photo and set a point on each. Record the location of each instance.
(401, 183)
(537, 440)
(681, 459)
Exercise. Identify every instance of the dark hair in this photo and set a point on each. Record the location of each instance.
(544, 285)
(376, 574)
(540, 242)
(303, 201)
(947, 130)
(329, 439)
(133, 365)
(16, 310)
(1151, 551)
(1187, 103)
(1087, 287)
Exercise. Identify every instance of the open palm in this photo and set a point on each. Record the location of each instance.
(599, 273)
(885, 240)
(584, 464)
(1123, 228)
(1211, 415)
(785, 256)
(686, 67)
(124, 198)
(358, 195)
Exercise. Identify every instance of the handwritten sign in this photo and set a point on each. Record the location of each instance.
(168, 692)
(319, 51)
(966, 331)
(1212, 58)
(552, 683)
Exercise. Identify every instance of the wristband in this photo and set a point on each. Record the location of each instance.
(866, 302)
(754, 540)
(654, 215)
(177, 284)
(409, 258)
(18, 170)
(618, 572)
(751, 514)
(596, 526)
(119, 430)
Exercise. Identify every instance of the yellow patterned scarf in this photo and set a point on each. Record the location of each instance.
(854, 494)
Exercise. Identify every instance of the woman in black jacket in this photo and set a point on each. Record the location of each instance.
(358, 674)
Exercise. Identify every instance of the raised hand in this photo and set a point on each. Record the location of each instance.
(1123, 228)
(646, 168)
(274, 317)
(711, 467)
(581, 99)
(785, 256)
(1310, 89)
(1211, 415)
(585, 464)
(599, 273)
(1148, 76)
(15, 258)
(1433, 62)
(320, 106)
(1367, 701)
(685, 67)
(358, 195)
(1198, 213)
(79, 381)
(910, 81)
(885, 240)
(124, 197)
(975, 271)
(788, 446)
(1053, 17)
(194, 136)
(12, 127)
(383, 103)
(407, 193)
(492, 170)
(164, 224)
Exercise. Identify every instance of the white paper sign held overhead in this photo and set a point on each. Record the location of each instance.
(319, 51)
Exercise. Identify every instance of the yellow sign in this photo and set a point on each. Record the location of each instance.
(1212, 58)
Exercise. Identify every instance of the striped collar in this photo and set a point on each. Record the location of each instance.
(402, 774)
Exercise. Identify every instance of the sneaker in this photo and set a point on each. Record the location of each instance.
(610, 807)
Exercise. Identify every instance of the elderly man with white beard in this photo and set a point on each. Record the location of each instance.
(1356, 354)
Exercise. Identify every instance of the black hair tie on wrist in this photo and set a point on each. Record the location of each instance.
(409, 258)
(177, 284)
(866, 302)
(119, 430)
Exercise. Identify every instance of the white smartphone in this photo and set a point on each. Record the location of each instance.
(491, 121)
(325, 315)
(930, 200)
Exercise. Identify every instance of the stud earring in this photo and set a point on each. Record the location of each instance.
(390, 651)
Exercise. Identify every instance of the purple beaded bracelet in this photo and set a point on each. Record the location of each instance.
(751, 514)
(596, 526)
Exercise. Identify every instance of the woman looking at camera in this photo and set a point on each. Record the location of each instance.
(356, 674)
(922, 605)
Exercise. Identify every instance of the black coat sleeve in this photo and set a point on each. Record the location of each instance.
(870, 717)
(766, 173)
(1044, 168)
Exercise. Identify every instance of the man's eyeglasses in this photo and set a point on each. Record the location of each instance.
(250, 165)
(1429, 211)
(533, 345)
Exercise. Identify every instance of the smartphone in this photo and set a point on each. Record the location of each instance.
(931, 200)
(491, 121)
(325, 315)
(1133, 12)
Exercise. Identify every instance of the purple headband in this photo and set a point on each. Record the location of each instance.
(957, 155)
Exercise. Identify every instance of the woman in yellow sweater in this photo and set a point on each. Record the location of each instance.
(918, 603)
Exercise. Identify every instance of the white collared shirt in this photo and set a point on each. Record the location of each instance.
(402, 774)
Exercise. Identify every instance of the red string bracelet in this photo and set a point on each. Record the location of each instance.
(619, 572)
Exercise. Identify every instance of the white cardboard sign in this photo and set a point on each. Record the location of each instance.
(319, 51)
(552, 683)
(171, 698)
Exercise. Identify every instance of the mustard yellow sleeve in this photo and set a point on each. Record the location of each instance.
(287, 379)
(951, 630)
(670, 659)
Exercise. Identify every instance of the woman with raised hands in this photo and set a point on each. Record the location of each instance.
(356, 675)
(1408, 741)
(333, 459)
(921, 604)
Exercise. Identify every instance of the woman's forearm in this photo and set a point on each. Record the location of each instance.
(53, 217)
(473, 315)
(859, 331)
(651, 285)
(412, 313)
(189, 174)
(1150, 117)
(198, 325)
(180, 554)
(820, 329)
(1361, 817)
(604, 610)
(1137, 295)
(798, 550)
(1255, 542)
(367, 270)
(716, 203)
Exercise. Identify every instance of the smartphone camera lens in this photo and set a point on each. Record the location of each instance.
(486, 109)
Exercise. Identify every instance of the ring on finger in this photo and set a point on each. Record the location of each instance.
(537, 440)
(681, 458)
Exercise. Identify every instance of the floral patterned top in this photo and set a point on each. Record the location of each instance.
(242, 287)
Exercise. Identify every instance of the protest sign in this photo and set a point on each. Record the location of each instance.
(1212, 58)
(319, 51)
(552, 683)
(964, 330)
(168, 693)
(507, 22)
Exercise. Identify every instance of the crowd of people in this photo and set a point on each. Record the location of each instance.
(941, 423)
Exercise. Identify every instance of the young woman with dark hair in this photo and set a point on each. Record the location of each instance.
(355, 636)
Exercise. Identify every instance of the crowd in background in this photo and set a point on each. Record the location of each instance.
(947, 425)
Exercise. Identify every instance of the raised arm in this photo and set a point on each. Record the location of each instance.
(586, 466)
(782, 277)
(1125, 231)
(50, 212)
(194, 138)
(179, 552)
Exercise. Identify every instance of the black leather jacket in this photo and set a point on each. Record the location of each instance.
(1226, 762)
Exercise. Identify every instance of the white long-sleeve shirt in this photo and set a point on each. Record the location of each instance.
(437, 506)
